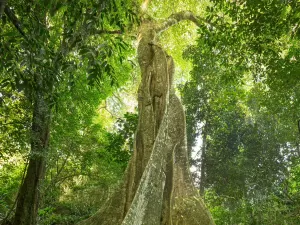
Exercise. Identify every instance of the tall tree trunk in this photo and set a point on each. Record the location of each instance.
(28, 197)
(158, 189)
(203, 153)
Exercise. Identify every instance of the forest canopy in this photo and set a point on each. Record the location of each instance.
(77, 127)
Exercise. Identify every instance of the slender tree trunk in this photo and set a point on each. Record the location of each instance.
(202, 175)
(28, 197)
(158, 189)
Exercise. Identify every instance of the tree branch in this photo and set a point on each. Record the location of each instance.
(108, 32)
(12, 17)
(176, 18)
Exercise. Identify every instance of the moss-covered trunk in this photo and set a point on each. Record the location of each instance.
(28, 197)
(157, 189)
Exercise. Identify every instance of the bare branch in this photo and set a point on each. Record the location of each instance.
(176, 18)
(106, 109)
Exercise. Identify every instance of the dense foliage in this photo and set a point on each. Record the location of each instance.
(69, 56)
(242, 100)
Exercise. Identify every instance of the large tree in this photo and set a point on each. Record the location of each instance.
(43, 45)
(157, 187)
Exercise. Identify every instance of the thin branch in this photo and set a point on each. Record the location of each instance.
(177, 17)
(118, 98)
(106, 109)
(62, 179)
(108, 32)
(59, 170)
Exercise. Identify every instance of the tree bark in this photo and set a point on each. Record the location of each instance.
(28, 197)
(157, 189)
